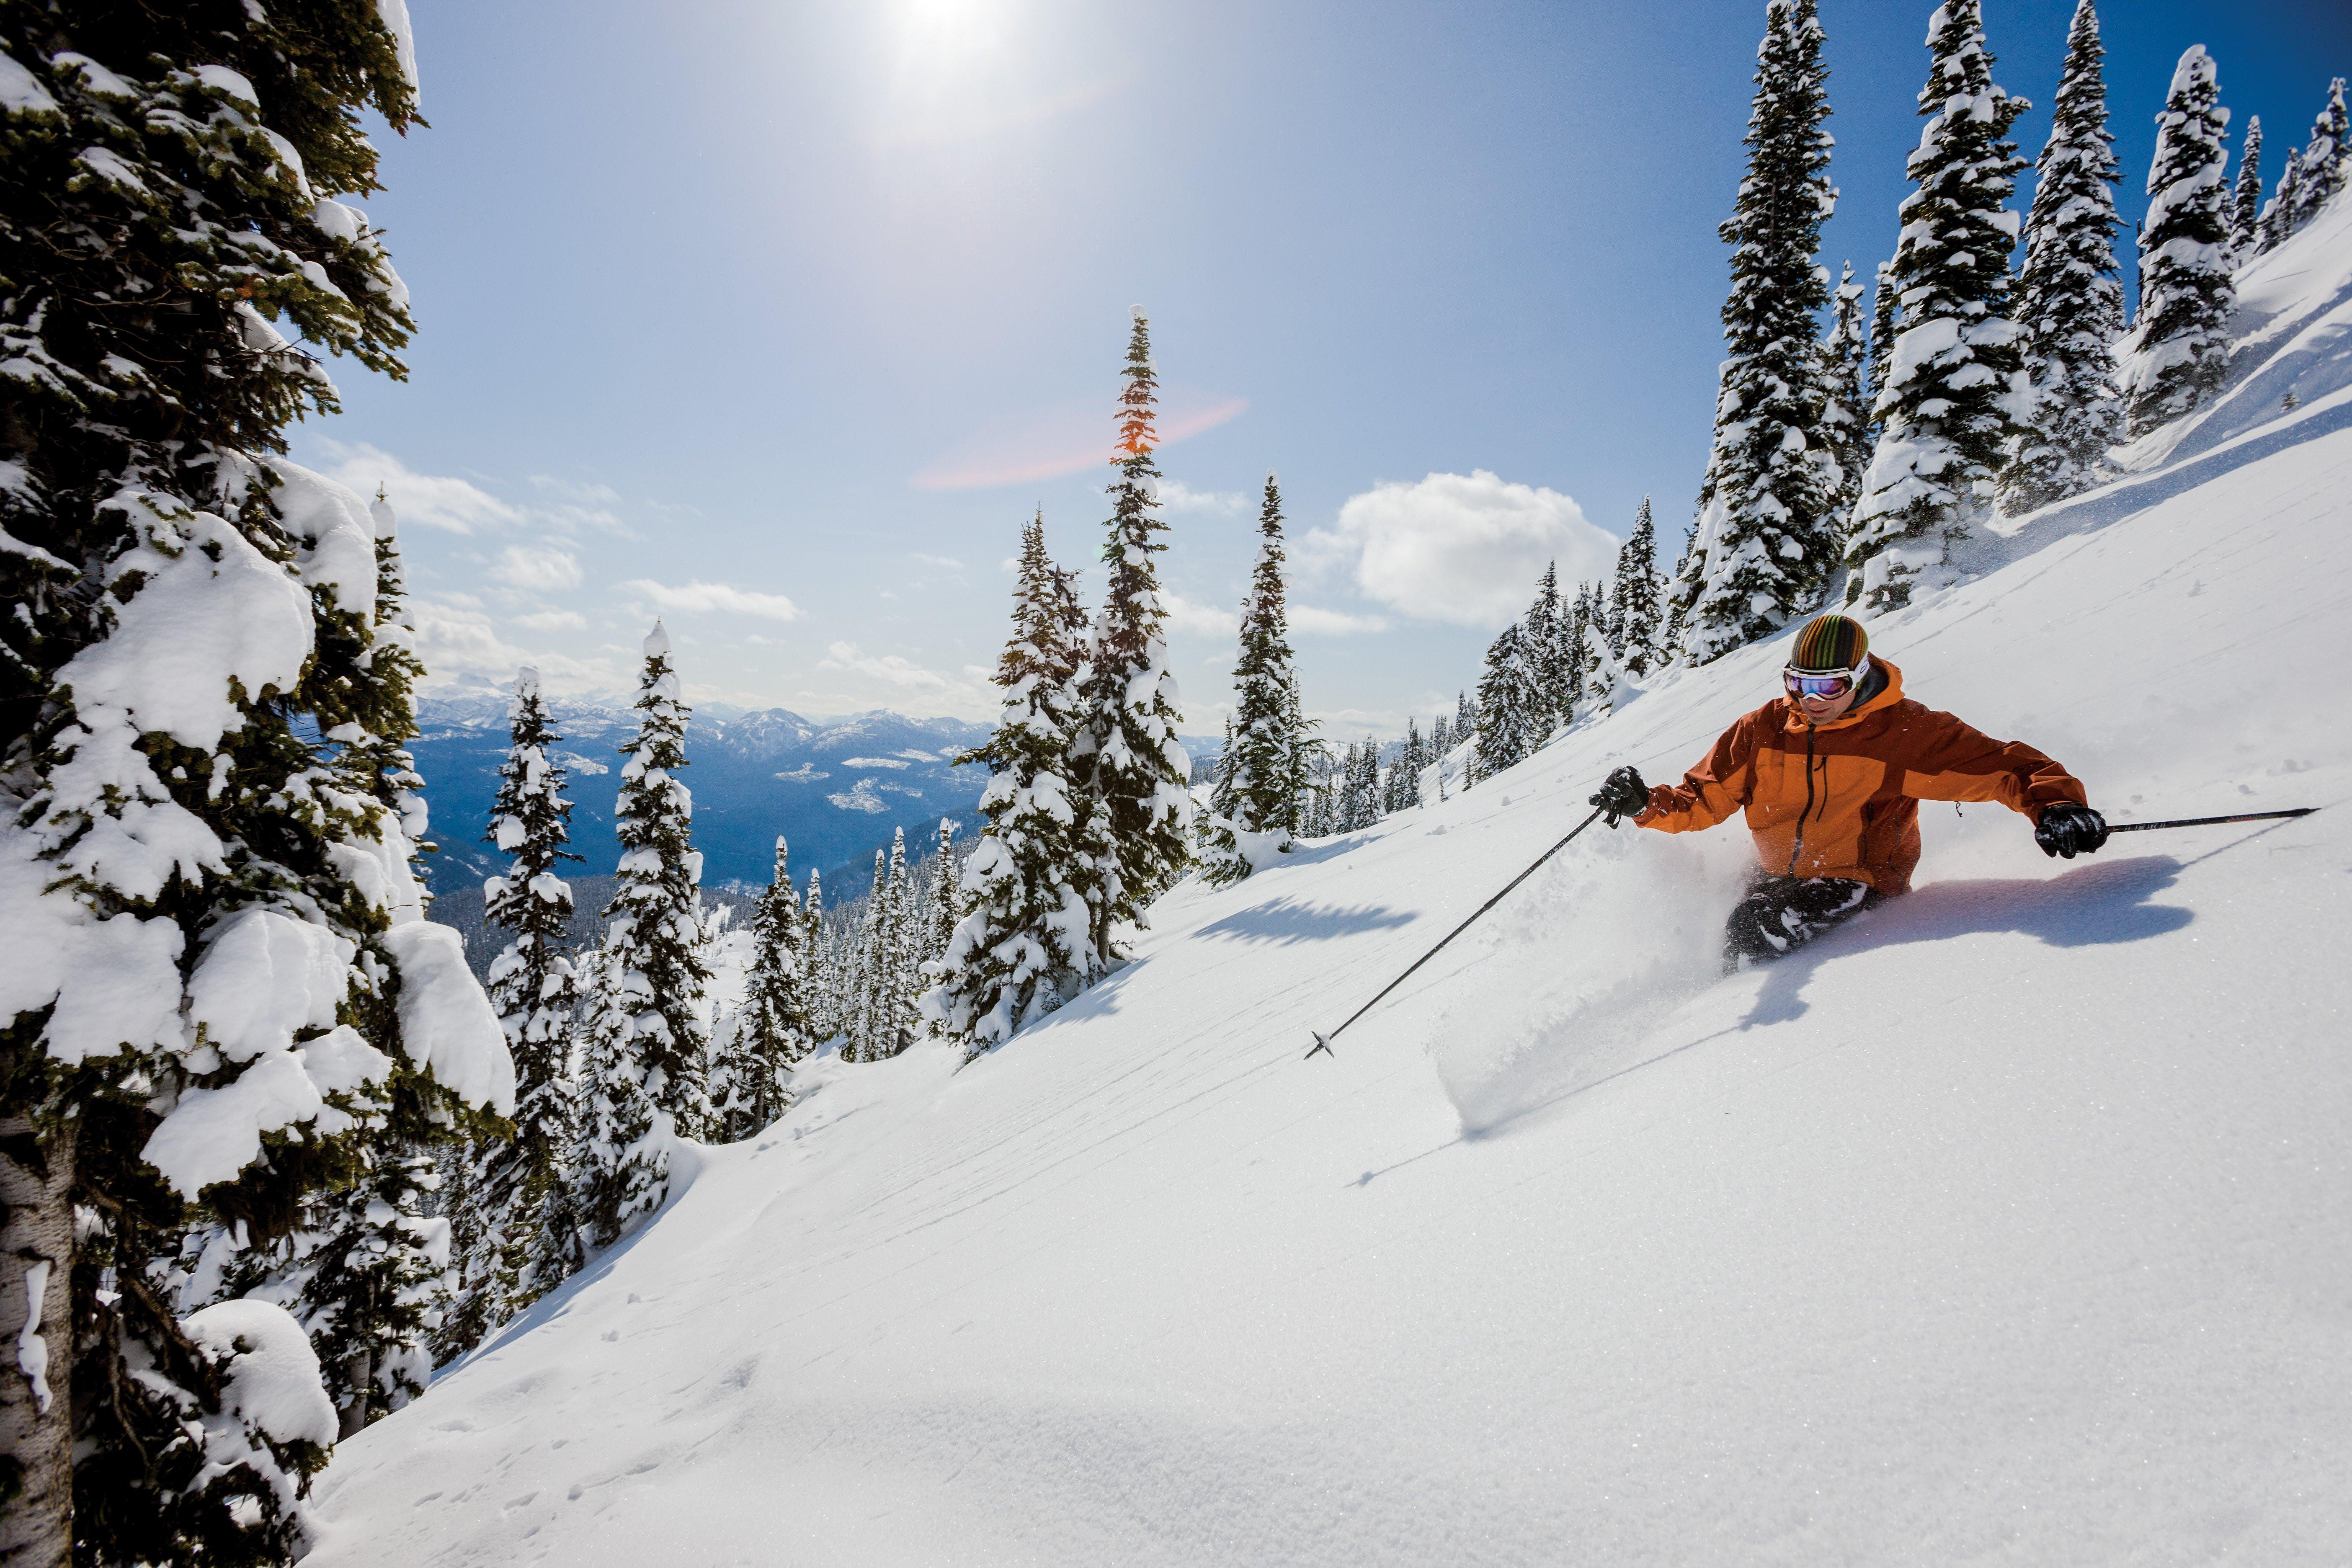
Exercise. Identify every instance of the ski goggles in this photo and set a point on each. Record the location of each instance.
(1824, 685)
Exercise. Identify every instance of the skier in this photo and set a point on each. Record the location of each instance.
(1832, 776)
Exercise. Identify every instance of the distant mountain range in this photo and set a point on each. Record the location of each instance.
(835, 788)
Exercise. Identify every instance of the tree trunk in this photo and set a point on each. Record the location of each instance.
(35, 1346)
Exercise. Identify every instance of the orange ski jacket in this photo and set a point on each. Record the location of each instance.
(1842, 799)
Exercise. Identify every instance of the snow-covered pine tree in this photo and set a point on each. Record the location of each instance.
(2246, 197)
(1633, 598)
(1135, 772)
(1845, 411)
(1885, 311)
(1587, 612)
(1601, 673)
(1948, 407)
(866, 1008)
(1404, 773)
(824, 1004)
(1466, 716)
(1220, 787)
(1506, 705)
(369, 1280)
(1545, 634)
(773, 1030)
(378, 1274)
(643, 1071)
(2178, 348)
(2070, 298)
(1025, 944)
(895, 1017)
(1769, 523)
(945, 906)
(513, 1213)
(2321, 166)
(1259, 774)
(2278, 213)
(208, 922)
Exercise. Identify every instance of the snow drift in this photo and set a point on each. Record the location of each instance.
(2006, 1223)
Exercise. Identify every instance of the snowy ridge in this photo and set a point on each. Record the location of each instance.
(2005, 1224)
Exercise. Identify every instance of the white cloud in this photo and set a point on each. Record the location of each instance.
(714, 597)
(944, 562)
(554, 621)
(888, 667)
(456, 639)
(430, 500)
(1203, 620)
(537, 566)
(579, 493)
(1461, 548)
(1316, 622)
(1177, 496)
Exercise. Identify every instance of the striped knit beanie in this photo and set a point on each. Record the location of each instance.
(1830, 642)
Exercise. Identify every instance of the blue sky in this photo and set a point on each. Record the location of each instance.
(778, 319)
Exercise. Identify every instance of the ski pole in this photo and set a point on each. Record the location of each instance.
(2206, 821)
(1323, 1041)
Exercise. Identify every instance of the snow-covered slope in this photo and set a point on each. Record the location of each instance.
(2009, 1224)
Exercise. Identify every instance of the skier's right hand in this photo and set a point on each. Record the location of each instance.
(1622, 793)
(2065, 829)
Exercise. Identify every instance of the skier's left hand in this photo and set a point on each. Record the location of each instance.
(2067, 829)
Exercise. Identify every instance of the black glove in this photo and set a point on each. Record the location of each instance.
(2065, 829)
(1622, 793)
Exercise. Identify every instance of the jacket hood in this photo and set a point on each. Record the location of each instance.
(1793, 716)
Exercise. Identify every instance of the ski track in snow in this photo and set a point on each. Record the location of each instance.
(2007, 1224)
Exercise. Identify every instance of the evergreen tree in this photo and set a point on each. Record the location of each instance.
(369, 1284)
(1258, 774)
(2070, 299)
(1845, 413)
(1135, 772)
(897, 940)
(1886, 311)
(1586, 614)
(1954, 381)
(219, 980)
(1546, 653)
(2278, 213)
(824, 1007)
(1506, 705)
(773, 1030)
(2246, 200)
(1466, 717)
(643, 1061)
(1601, 673)
(2180, 348)
(1767, 532)
(868, 1010)
(945, 907)
(2321, 167)
(1633, 598)
(1404, 774)
(1024, 943)
(1221, 781)
(515, 1221)
(387, 1274)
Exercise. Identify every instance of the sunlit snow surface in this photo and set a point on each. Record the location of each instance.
(2009, 1224)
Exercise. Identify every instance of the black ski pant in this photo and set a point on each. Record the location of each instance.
(1780, 914)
